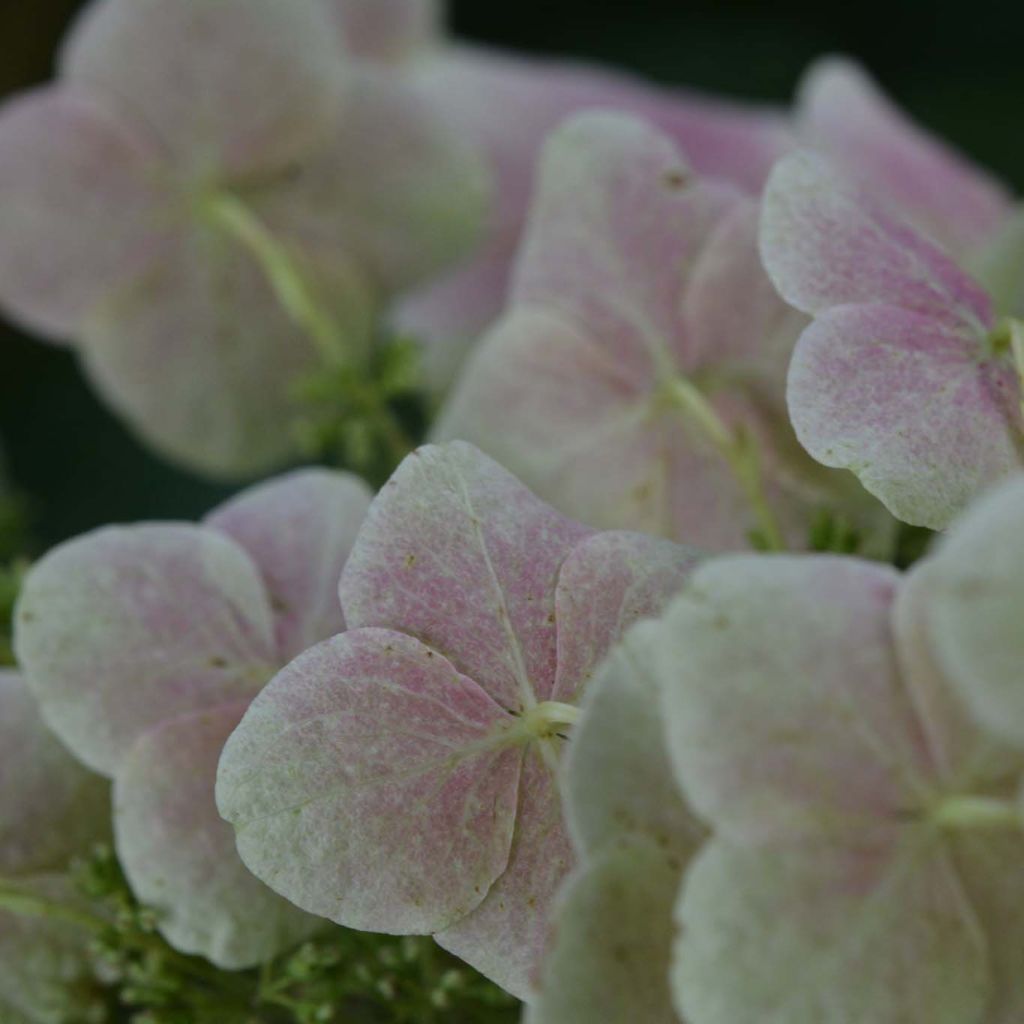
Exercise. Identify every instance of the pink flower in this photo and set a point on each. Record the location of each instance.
(145, 644)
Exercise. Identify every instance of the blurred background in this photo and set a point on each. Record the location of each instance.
(956, 66)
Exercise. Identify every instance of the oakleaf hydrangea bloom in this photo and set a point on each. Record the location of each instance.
(211, 198)
(637, 377)
(508, 104)
(145, 644)
(908, 376)
(855, 741)
(51, 809)
(400, 777)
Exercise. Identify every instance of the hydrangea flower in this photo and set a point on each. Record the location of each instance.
(209, 197)
(145, 644)
(508, 105)
(843, 116)
(907, 376)
(51, 809)
(400, 777)
(636, 379)
(855, 741)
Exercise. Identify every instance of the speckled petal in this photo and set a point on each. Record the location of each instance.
(615, 226)
(973, 610)
(609, 582)
(734, 143)
(786, 712)
(504, 937)
(51, 808)
(200, 358)
(735, 319)
(827, 242)
(609, 952)
(910, 404)
(299, 530)
(459, 553)
(579, 423)
(843, 114)
(236, 85)
(617, 778)
(179, 854)
(879, 931)
(80, 207)
(372, 784)
(125, 627)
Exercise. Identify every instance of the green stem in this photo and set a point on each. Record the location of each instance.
(737, 450)
(24, 904)
(300, 302)
(974, 812)
(293, 292)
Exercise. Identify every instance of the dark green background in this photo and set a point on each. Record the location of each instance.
(958, 67)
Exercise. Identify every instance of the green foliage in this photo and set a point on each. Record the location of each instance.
(830, 533)
(365, 418)
(341, 977)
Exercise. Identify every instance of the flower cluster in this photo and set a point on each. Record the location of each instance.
(630, 690)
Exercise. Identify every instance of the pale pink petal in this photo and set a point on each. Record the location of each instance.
(786, 712)
(969, 757)
(236, 86)
(199, 356)
(879, 930)
(580, 424)
(826, 242)
(126, 627)
(398, 189)
(973, 610)
(844, 115)
(737, 324)
(179, 854)
(51, 808)
(909, 403)
(617, 778)
(609, 951)
(609, 582)
(467, 85)
(373, 784)
(81, 207)
(390, 31)
(989, 866)
(613, 232)
(504, 937)
(299, 530)
(458, 553)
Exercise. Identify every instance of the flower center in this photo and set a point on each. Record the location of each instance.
(548, 718)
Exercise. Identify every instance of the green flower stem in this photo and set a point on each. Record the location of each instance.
(16, 901)
(735, 447)
(293, 292)
(299, 300)
(976, 812)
